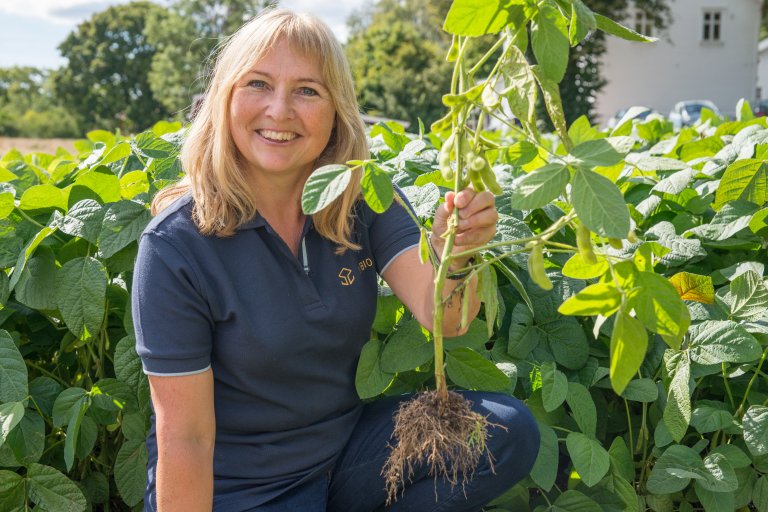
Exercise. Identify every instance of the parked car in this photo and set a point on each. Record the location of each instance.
(761, 108)
(686, 113)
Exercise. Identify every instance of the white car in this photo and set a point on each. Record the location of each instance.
(686, 113)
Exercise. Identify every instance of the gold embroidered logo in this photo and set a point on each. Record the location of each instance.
(346, 277)
(364, 264)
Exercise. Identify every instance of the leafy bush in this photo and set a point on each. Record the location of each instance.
(644, 364)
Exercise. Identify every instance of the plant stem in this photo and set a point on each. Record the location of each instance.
(727, 386)
(740, 410)
(629, 427)
(46, 372)
(34, 222)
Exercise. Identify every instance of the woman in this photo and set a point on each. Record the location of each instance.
(250, 316)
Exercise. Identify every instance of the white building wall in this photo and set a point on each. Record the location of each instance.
(762, 69)
(681, 66)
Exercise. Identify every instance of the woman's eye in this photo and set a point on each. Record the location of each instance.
(257, 84)
(308, 91)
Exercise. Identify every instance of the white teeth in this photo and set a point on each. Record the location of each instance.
(283, 136)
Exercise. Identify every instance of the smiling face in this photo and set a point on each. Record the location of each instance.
(281, 114)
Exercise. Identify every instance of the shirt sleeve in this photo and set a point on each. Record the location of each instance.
(392, 233)
(171, 316)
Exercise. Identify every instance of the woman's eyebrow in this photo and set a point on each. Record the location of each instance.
(300, 79)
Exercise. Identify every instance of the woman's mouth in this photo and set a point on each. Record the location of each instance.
(276, 136)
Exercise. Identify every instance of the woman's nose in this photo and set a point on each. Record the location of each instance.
(281, 106)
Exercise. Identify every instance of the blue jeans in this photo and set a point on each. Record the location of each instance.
(355, 484)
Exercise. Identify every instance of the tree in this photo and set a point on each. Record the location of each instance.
(105, 83)
(28, 107)
(397, 55)
(185, 39)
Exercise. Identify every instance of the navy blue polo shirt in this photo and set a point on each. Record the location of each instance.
(282, 335)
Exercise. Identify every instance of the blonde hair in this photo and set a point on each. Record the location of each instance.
(209, 157)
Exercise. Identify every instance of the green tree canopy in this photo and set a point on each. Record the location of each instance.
(396, 51)
(185, 39)
(28, 107)
(106, 83)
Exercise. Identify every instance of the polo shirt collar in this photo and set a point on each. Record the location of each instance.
(257, 221)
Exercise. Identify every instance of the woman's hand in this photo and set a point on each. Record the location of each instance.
(477, 221)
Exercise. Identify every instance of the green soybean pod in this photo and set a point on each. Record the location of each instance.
(536, 268)
(584, 243)
(489, 178)
(444, 158)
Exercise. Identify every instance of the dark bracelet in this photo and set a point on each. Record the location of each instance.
(458, 276)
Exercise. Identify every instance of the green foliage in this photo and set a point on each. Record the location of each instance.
(647, 379)
(184, 39)
(28, 106)
(105, 81)
(74, 402)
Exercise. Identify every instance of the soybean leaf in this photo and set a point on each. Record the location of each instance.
(133, 184)
(747, 296)
(73, 432)
(406, 349)
(539, 187)
(13, 495)
(574, 501)
(596, 299)
(582, 22)
(553, 103)
(475, 338)
(27, 253)
(65, 403)
(736, 457)
(43, 197)
(152, 146)
(582, 408)
(11, 414)
(577, 268)
(554, 386)
(370, 379)
(694, 287)
(471, 18)
(720, 341)
(755, 423)
(677, 412)
(549, 39)
(744, 179)
(127, 363)
(84, 219)
(760, 494)
(602, 152)
(682, 250)
(27, 440)
(611, 27)
(81, 286)
(101, 181)
(389, 311)
(641, 390)
(621, 459)
(732, 218)
(131, 471)
(44, 391)
(599, 204)
(53, 491)
(710, 416)
(544, 471)
(123, 223)
(324, 185)
(673, 471)
(720, 475)
(629, 343)
(13, 371)
(660, 308)
(590, 459)
(34, 286)
(714, 501)
(470, 370)
(377, 188)
(520, 94)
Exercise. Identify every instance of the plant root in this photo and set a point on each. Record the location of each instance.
(446, 434)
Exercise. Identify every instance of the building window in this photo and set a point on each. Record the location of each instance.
(712, 26)
(642, 24)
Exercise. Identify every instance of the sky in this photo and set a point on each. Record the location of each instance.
(31, 30)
